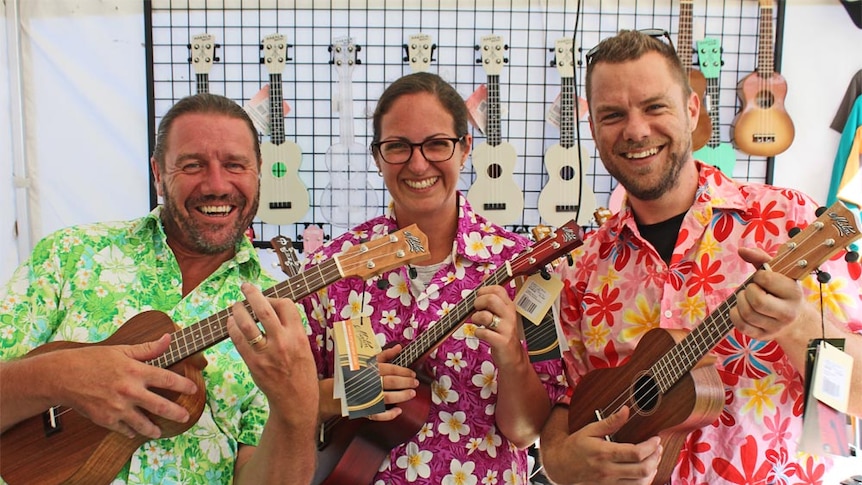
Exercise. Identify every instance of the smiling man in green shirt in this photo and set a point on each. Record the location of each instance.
(189, 259)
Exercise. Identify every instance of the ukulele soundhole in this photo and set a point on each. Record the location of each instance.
(645, 394)
(567, 173)
(765, 99)
(495, 170)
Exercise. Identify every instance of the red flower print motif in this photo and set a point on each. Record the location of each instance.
(727, 418)
(746, 356)
(782, 468)
(585, 265)
(613, 358)
(777, 434)
(688, 458)
(678, 274)
(704, 276)
(624, 254)
(722, 226)
(811, 473)
(762, 221)
(569, 301)
(750, 473)
(603, 306)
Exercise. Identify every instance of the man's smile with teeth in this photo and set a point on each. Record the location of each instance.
(212, 210)
(643, 154)
(422, 184)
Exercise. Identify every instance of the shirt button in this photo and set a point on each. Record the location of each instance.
(668, 313)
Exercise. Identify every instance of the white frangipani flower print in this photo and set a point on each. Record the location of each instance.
(415, 462)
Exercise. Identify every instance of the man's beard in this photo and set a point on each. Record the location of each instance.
(200, 237)
(669, 179)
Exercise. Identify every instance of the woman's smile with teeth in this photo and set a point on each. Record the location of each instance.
(643, 154)
(421, 184)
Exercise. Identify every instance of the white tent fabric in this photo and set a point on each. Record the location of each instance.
(85, 118)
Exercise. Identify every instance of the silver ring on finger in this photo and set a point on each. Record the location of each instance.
(495, 322)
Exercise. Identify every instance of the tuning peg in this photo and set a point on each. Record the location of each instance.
(382, 284)
(851, 256)
(820, 210)
(570, 259)
(545, 275)
(794, 231)
(823, 276)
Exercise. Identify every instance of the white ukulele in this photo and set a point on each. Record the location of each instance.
(568, 193)
(420, 52)
(202, 55)
(283, 196)
(349, 198)
(494, 193)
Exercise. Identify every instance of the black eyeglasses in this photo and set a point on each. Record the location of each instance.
(654, 33)
(397, 152)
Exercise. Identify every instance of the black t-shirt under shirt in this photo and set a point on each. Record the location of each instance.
(663, 235)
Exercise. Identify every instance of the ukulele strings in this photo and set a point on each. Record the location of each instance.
(351, 262)
(782, 263)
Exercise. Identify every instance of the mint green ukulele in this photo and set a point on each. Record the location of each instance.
(722, 155)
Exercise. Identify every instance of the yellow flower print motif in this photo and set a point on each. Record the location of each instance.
(834, 295)
(709, 246)
(596, 337)
(761, 396)
(693, 308)
(640, 319)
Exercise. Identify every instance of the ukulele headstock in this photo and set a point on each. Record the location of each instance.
(420, 52)
(202, 48)
(564, 56)
(546, 250)
(493, 54)
(274, 47)
(834, 229)
(384, 253)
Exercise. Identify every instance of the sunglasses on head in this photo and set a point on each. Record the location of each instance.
(654, 33)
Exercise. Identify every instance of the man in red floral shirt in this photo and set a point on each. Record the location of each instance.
(685, 240)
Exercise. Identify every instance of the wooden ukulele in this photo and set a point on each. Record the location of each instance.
(348, 199)
(721, 155)
(568, 192)
(685, 51)
(541, 338)
(669, 384)
(202, 55)
(351, 451)
(763, 127)
(62, 446)
(494, 193)
(420, 52)
(283, 195)
(288, 259)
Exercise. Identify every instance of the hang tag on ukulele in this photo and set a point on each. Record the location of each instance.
(258, 110)
(827, 392)
(553, 116)
(536, 296)
(358, 384)
(477, 108)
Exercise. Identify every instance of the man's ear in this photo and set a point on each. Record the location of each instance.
(157, 176)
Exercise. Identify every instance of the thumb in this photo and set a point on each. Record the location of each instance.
(612, 423)
(149, 350)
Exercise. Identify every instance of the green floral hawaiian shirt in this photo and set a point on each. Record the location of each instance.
(82, 283)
